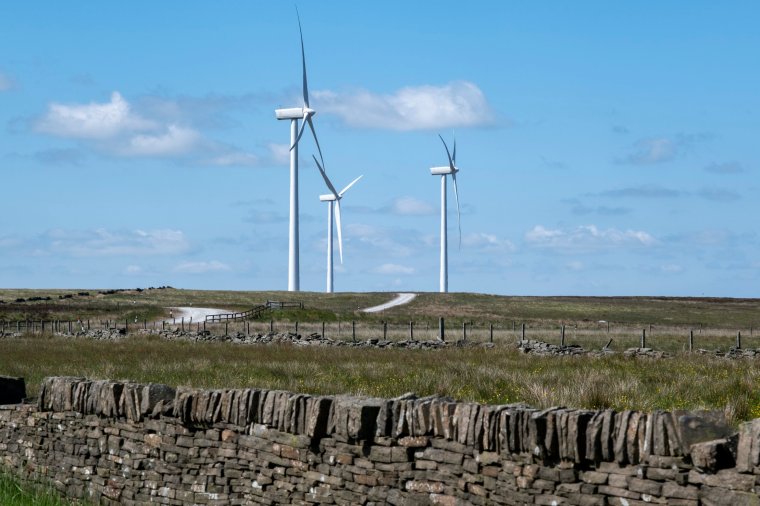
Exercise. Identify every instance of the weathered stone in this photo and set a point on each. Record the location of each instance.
(700, 426)
(712, 455)
(154, 393)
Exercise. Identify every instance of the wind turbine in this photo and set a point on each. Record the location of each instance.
(443, 172)
(333, 200)
(294, 114)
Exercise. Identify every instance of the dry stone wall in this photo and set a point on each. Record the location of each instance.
(127, 443)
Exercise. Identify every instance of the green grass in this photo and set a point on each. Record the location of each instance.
(481, 309)
(494, 376)
(14, 492)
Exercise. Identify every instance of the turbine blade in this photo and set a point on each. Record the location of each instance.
(324, 176)
(303, 63)
(451, 162)
(340, 230)
(454, 153)
(314, 133)
(300, 133)
(344, 190)
(459, 218)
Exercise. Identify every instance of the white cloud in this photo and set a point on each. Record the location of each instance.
(486, 242)
(6, 83)
(102, 242)
(586, 238)
(114, 127)
(393, 269)
(457, 104)
(92, 121)
(175, 140)
(380, 239)
(410, 206)
(133, 269)
(235, 159)
(279, 153)
(201, 267)
(653, 150)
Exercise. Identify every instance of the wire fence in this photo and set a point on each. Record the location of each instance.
(615, 336)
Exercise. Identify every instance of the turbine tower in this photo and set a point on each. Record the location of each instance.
(443, 172)
(333, 201)
(294, 114)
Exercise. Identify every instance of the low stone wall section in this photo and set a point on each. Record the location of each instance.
(128, 443)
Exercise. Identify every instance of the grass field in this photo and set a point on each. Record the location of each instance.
(735, 314)
(494, 376)
(497, 375)
(16, 493)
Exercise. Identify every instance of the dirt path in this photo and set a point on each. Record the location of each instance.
(196, 314)
(401, 298)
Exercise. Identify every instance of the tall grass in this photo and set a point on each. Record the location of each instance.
(16, 493)
(494, 376)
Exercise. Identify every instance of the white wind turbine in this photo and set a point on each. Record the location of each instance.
(333, 199)
(443, 172)
(294, 114)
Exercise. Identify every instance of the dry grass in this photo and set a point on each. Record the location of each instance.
(493, 376)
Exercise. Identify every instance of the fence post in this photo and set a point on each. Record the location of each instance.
(88, 324)
(464, 331)
(204, 325)
(163, 324)
(490, 332)
(353, 330)
(411, 331)
(183, 324)
(323, 330)
(271, 326)
(441, 329)
(643, 343)
(691, 340)
(226, 328)
(562, 336)
(522, 332)
(385, 330)
(126, 325)
(739, 340)
(296, 327)
(608, 327)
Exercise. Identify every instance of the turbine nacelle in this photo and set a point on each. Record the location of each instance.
(443, 171)
(294, 113)
(328, 198)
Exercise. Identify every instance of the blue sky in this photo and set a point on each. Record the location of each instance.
(604, 148)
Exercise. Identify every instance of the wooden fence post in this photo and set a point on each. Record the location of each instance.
(385, 330)
(441, 329)
(490, 332)
(296, 327)
(562, 336)
(353, 330)
(739, 340)
(643, 343)
(323, 330)
(464, 331)
(691, 340)
(411, 331)
(522, 332)
(226, 328)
